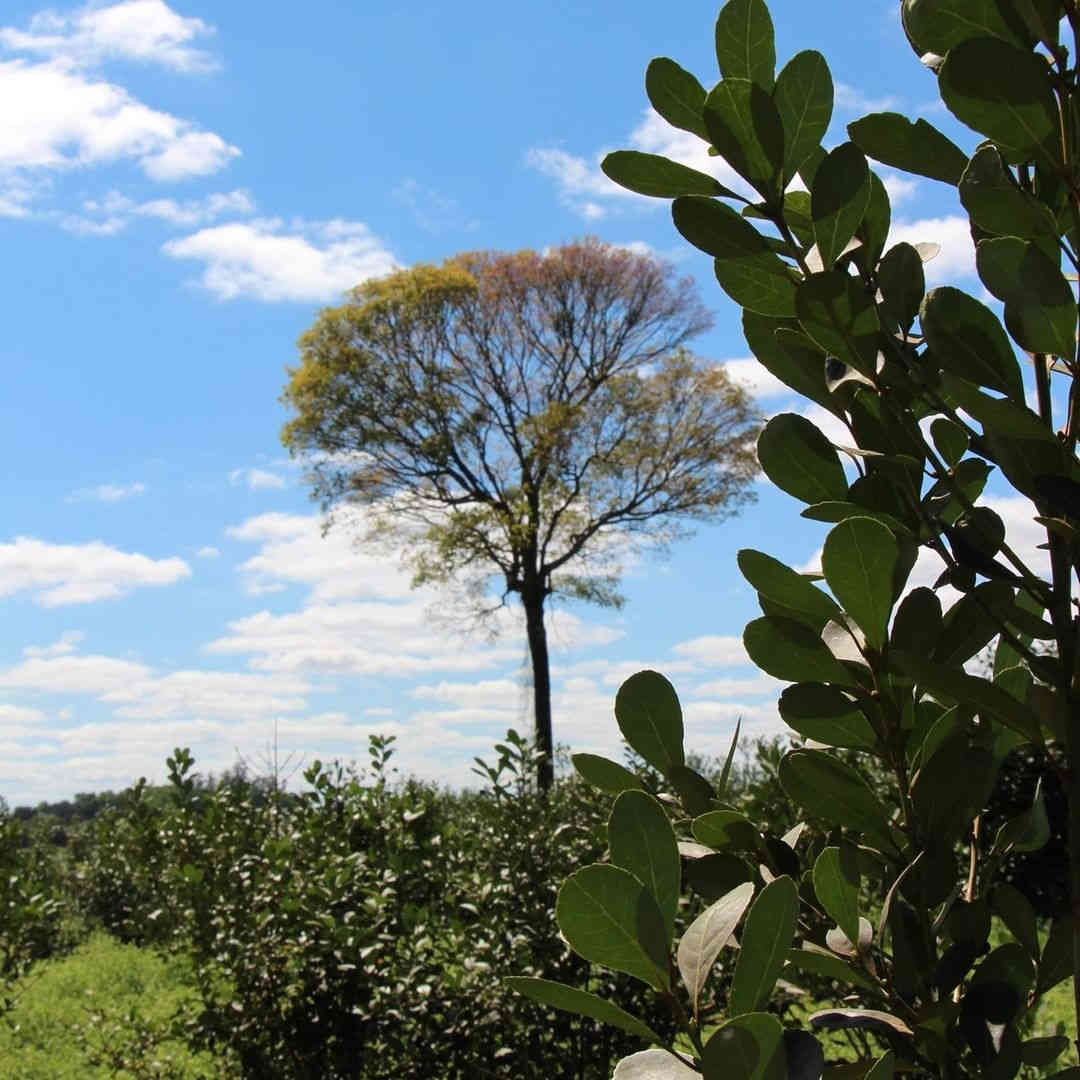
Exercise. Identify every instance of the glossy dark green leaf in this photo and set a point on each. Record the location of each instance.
(798, 459)
(789, 650)
(916, 147)
(1008, 967)
(830, 967)
(838, 200)
(726, 829)
(707, 935)
(951, 684)
(713, 876)
(610, 918)
(743, 124)
(650, 174)
(747, 268)
(834, 792)
(1028, 831)
(874, 230)
(747, 1047)
(826, 715)
(804, 100)
(603, 773)
(971, 623)
(858, 560)
(836, 885)
(649, 715)
(997, 204)
(950, 439)
(676, 95)
(902, 284)
(581, 1002)
(642, 841)
(917, 625)
(938, 25)
(838, 313)
(745, 43)
(1040, 307)
(804, 1055)
(788, 356)
(695, 792)
(766, 939)
(778, 582)
(967, 340)
(952, 787)
(1018, 113)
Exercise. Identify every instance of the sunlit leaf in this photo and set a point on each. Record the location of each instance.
(916, 147)
(766, 939)
(706, 937)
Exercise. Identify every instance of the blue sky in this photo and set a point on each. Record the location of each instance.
(181, 189)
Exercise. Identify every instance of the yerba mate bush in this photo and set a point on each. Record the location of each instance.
(931, 963)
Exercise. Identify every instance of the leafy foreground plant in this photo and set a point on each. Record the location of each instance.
(890, 911)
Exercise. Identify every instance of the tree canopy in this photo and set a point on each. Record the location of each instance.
(520, 416)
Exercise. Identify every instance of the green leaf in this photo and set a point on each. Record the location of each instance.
(1016, 912)
(952, 787)
(838, 200)
(581, 1002)
(764, 946)
(1040, 308)
(642, 841)
(1043, 1051)
(826, 715)
(995, 202)
(745, 44)
(778, 582)
(695, 792)
(748, 270)
(967, 340)
(789, 356)
(971, 623)
(874, 230)
(804, 100)
(610, 918)
(884, 1068)
(939, 25)
(649, 715)
(834, 792)
(838, 314)
(1028, 831)
(829, 966)
(950, 439)
(798, 459)
(650, 174)
(917, 147)
(744, 125)
(747, 1047)
(836, 885)
(951, 684)
(676, 95)
(902, 284)
(1007, 967)
(917, 625)
(603, 773)
(1019, 113)
(804, 1054)
(1057, 955)
(653, 1065)
(726, 829)
(721, 787)
(858, 560)
(713, 876)
(706, 937)
(791, 651)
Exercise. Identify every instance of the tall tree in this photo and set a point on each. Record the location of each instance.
(514, 414)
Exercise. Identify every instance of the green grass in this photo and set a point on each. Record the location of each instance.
(48, 1033)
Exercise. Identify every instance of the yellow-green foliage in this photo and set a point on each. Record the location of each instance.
(51, 1031)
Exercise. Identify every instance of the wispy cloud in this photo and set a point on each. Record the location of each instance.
(257, 479)
(107, 492)
(849, 98)
(432, 211)
(105, 217)
(270, 261)
(208, 551)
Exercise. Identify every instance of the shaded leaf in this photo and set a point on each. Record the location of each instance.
(838, 313)
(713, 876)
(917, 625)
(610, 918)
(676, 95)
(997, 204)
(902, 284)
(1056, 963)
(789, 650)
(748, 1047)
(916, 147)
(828, 966)
(838, 200)
(858, 560)
(804, 100)
(880, 1023)
(695, 792)
(798, 459)
(939, 25)
(603, 773)
(778, 582)
(764, 946)
(836, 885)
(581, 1002)
(1015, 911)
(650, 174)
(950, 439)
(726, 829)
(745, 42)
(792, 358)
(804, 1055)
(649, 715)
(744, 125)
(826, 715)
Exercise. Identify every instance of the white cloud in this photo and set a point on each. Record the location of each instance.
(584, 187)
(756, 378)
(953, 233)
(899, 188)
(67, 674)
(265, 260)
(147, 31)
(257, 479)
(208, 551)
(713, 650)
(60, 574)
(66, 644)
(104, 217)
(848, 97)
(107, 492)
(432, 211)
(67, 119)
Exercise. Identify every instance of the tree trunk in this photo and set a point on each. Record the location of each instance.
(541, 674)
